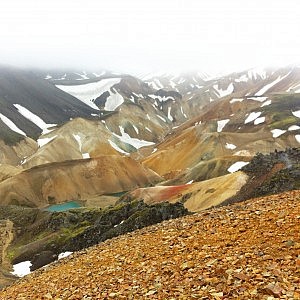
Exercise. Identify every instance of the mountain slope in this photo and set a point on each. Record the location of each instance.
(262, 175)
(230, 130)
(74, 180)
(244, 251)
(33, 104)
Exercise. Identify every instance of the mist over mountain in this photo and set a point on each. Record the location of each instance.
(149, 36)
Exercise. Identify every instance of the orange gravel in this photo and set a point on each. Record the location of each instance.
(249, 250)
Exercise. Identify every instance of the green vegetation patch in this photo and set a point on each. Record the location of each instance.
(280, 111)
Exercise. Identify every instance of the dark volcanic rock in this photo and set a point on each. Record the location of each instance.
(270, 174)
(48, 234)
(122, 219)
(41, 259)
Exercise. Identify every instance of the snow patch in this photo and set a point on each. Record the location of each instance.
(136, 129)
(169, 114)
(237, 166)
(11, 125)
(138, 95)
(190, 182)
(21, 269)
(64, 254)
(126, 138)
(257, 72)
(78, 139)
(268, 102)
(252, 117)
(277, 132)
(268, 86)
(259, 120)
(43, 141)
(181, 109)
(113, 101)
(156, 84)
(221, 124)
(116, 147)
(181, 80)
(34, 118)
(161, 99)
(242, 153)
(223, 93)
(293, 127)
(83, 76)
(236, 100)
(172, 84)
(259, 99)
(85, 155)
(98, 75)
(296, 113)
(230, 146)
(243, 78)
(160, 117)
(297, 137)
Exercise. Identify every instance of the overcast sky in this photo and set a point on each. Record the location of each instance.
(141, 36)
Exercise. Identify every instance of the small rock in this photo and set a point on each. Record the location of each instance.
(217, 295)
(151, 292)
(187, 265)
(241, 276)
(273, 290)
(112, 295)
(289, 243)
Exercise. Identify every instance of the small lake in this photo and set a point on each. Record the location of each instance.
(63, 206)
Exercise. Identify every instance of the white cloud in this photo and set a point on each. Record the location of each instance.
(139, 35)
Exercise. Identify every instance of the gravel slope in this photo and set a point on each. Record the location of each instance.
(249, 250)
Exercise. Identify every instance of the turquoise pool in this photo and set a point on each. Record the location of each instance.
(63, 206)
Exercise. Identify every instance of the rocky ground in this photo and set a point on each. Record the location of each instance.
(248, 250)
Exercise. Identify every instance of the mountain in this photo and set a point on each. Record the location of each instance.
(107, 141)
(187, 128)
(74, 180)
(245, 251)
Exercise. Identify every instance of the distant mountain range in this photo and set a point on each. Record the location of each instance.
(187, 127)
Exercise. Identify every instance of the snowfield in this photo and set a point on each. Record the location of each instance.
(90, 91)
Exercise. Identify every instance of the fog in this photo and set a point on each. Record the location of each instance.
(141, 36)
